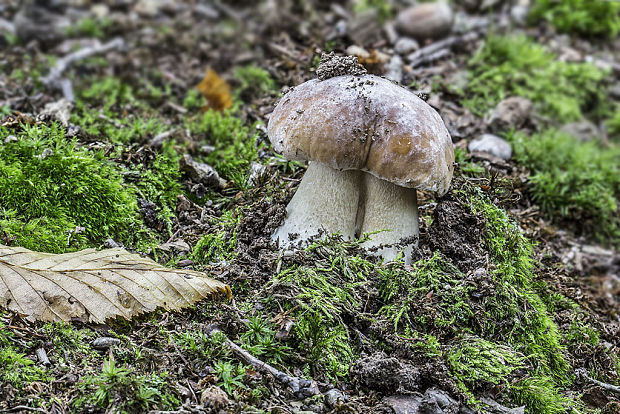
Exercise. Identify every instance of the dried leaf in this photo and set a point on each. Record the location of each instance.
(216, 91)
(95, 285)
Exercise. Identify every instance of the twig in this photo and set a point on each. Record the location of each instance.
(608, 387)
(54, 77)
(300, 387)
(421, 55)
(22, 408)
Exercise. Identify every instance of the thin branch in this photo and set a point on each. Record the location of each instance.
(22, 408)
(608, 387)
(54, 78)
(300, 387)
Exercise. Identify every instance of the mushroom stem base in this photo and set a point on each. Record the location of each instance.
(326, 201)
(394, 209)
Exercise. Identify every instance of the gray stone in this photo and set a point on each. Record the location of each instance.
(334, 397)
(582, 130)
(491, 144)
(511, 113)
(202, 173)
(426, 20)
(104, 343)
(404, 404)
(406, 45)
(179, 246)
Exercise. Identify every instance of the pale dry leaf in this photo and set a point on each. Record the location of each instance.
(95, 285)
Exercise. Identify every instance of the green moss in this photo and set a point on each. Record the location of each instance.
(584, 17)
(235, 145)
(67, 339)
(90, 27)
(219, 245)
(202, 347)
(515, 65)
(325, 345)
(229, 375)
(254, 82)
(160, 182)
(49, 186)
(121, 390)
(15, 368)
(260, 340)
(540, 395)
(515, 311)
(476, 362)
(322, 294)
(613, 124)
(573, 180)
(403, 291)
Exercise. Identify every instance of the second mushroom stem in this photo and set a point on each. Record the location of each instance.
(352, 203)
(393, 209)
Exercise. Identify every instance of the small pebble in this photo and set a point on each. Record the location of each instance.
(104, 342)
(491, 144)
(406, 45)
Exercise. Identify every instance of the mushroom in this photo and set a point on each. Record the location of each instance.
(371, 144)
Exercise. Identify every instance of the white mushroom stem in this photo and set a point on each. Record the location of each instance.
(327, 200)
(394, 209)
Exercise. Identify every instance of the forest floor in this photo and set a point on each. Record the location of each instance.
(512, 303)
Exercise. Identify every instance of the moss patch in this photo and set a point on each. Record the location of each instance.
(572, 180)
(516, 65)
(49, 186)
(584, 17)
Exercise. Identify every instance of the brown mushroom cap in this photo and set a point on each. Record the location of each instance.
(366, 123)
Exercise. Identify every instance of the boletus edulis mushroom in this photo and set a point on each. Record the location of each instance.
(371, 144)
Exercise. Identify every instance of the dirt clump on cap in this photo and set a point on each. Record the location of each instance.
(332, 65)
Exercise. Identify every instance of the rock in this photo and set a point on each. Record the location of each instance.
(582, 130)
(104, 343)
(201, 173)
(403, 404)
(10, 138)
(387, 374)
(59, 111)
(179, 246)
(511, 113)
(214, 398)
(334, 397)
(441, 398)
(426, 20)
(406, 45)
(496, 408)
(434, 401)
(394, 69)
(491, 144)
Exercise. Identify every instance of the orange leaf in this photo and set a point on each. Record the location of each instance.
(216, 91)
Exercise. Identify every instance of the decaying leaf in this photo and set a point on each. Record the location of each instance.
(216, 91)
(95, 285)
